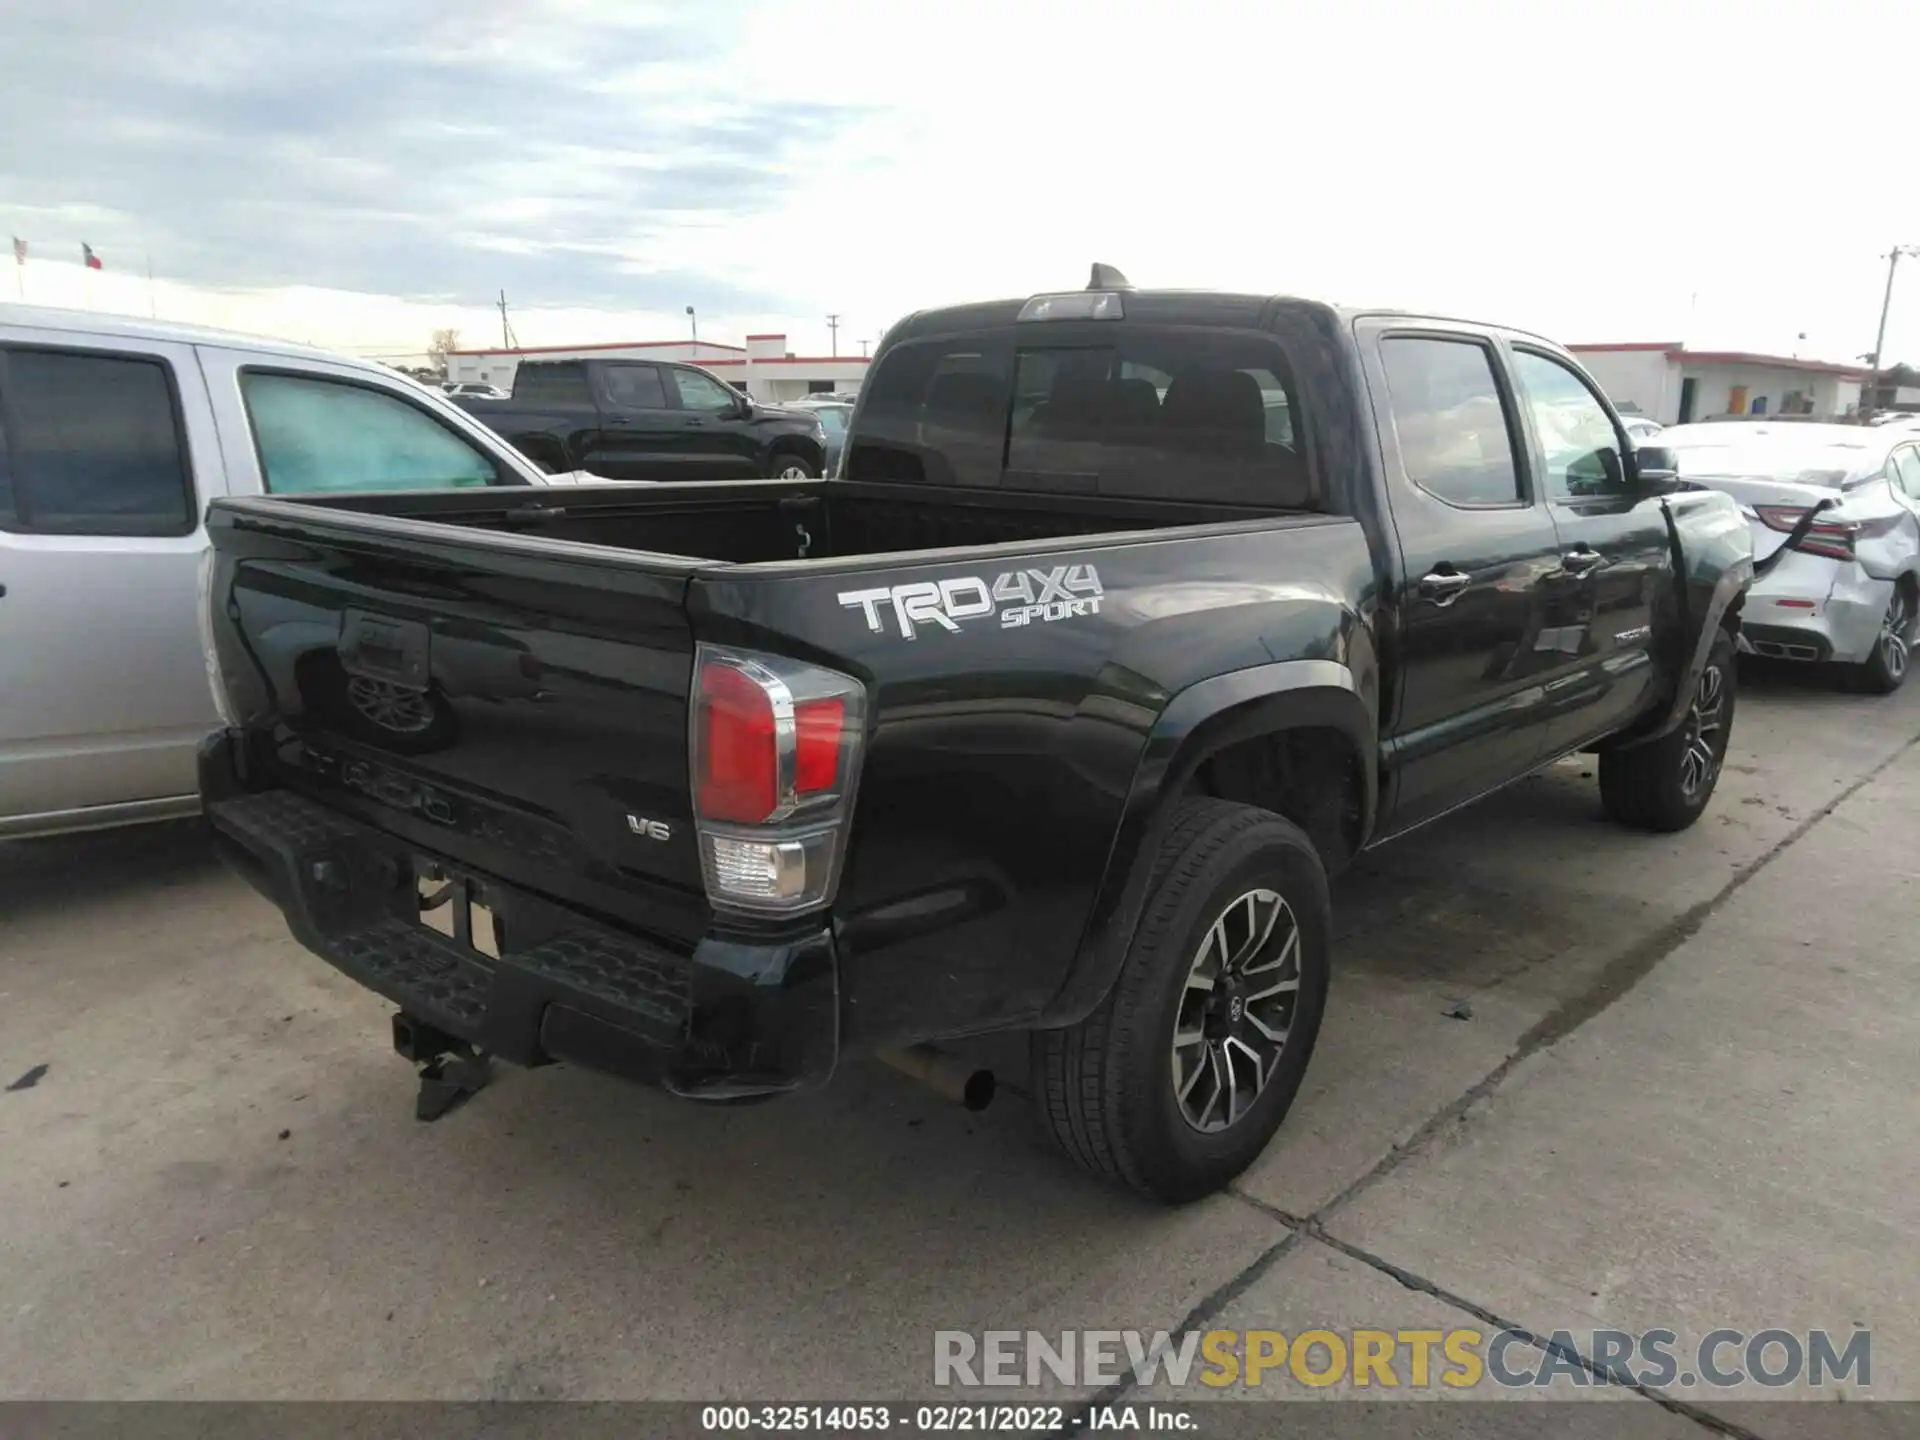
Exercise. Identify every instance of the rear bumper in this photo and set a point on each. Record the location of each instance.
(1813, 608)
(733, 1019)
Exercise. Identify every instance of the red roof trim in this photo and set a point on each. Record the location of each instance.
(1776, 362)
(1626, 345)
(607, 345)
(780, 335)
(813, 360)
(1674, 350)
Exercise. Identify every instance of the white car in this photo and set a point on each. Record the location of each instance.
(117, 433)
(475, 390)
(1640, 428)
(1846, 591)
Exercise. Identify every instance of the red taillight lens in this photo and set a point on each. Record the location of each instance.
(740, 779)
(1833, 539)
(818, 723)
(775, 756)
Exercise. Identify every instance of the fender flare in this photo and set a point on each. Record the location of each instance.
(1731, 586)
(1196, 724)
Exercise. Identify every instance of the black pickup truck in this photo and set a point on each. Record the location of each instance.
(646, 420)
(1133, 617)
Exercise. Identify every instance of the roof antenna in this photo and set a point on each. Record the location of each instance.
(1105, 277)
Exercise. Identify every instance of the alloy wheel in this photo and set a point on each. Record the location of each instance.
(793, 472)
(1236, 1010)
(1893, 635)
(1706, 733)
(405, 712)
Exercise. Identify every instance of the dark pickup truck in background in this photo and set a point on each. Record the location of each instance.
(1054, 713)
(647, 420)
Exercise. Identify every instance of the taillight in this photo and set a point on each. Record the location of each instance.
(209, 652)
(1831, 538)
(776, 747)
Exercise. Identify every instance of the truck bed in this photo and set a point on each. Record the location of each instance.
(501, 685)
(756, 522)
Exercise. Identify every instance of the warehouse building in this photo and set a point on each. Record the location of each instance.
(762, 368)
(1665, 381)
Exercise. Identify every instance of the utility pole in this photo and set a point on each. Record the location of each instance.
(833, 325)
(1880, 335)
(694, 321)
(507, 340)
(863, 348)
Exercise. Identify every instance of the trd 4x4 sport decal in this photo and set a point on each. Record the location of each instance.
(1018, 597)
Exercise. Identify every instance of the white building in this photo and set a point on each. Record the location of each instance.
(763, 367)
(1666, 381)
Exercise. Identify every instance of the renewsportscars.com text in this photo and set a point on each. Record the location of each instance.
(1412, 1359)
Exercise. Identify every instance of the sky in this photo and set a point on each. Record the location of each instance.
(359, 173)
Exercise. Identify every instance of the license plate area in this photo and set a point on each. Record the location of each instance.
(457, 906)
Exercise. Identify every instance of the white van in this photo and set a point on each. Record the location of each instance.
(114, 435)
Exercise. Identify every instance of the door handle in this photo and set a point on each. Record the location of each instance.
(1443, 587)
(619, 420)
(693, 424)
(1579, 562)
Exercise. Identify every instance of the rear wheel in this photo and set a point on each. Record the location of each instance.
(1666, 785)
(1176, 1083)
(1885, 671)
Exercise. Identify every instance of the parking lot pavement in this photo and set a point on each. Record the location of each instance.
(215, 1187)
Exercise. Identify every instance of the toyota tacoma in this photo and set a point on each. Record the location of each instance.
(1131, 618)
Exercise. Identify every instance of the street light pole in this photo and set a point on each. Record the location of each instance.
(694, 321)
(1880, 335)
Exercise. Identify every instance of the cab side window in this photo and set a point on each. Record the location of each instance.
(1450, 421)
(90, 444)
(318, 435)
(703, 392)
(1904, 470)
(1580, 445)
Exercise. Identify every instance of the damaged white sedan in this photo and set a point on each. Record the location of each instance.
(1838, 507)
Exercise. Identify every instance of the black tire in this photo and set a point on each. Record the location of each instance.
(784, 460)
(1665, 786)
(1885, 670)
(1105, 1088)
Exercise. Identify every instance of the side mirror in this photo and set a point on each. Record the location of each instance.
(744, 407)
(1653, 469)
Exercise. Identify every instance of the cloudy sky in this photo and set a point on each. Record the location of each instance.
(359, 172)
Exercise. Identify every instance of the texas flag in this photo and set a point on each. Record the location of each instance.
(86, 254)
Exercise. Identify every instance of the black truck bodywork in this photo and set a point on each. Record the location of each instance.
(496, 692)
(628, 419)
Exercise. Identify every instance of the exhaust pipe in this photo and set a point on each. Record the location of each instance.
(944, 1074)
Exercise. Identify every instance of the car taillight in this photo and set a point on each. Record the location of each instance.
(209, 652)
(1831, 538)
(776, 748)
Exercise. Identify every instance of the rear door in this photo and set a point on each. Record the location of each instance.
(1480, 620)
(105, 695)
(1616, 567)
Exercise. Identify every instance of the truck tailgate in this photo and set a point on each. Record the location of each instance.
(514, 704)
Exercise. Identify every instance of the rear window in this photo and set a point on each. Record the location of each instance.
(552, 383)
(91, 446)
(1202, 415)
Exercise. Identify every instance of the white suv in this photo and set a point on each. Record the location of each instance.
(114, 435)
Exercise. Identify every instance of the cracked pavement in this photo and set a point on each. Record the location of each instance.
(1683, 1098)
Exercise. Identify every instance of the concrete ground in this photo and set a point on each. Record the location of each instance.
(1683, 1097)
